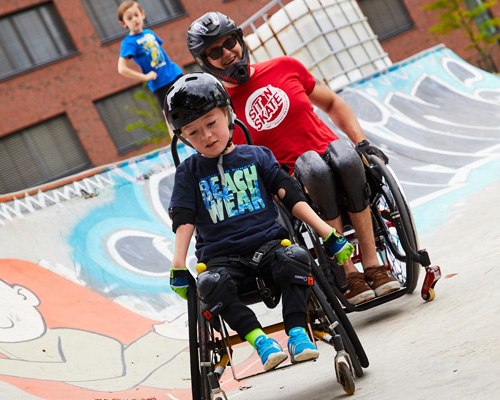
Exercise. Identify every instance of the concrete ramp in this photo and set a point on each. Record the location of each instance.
(86, 311)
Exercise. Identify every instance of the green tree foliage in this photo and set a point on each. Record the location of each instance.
(455, 15)
(151, 117)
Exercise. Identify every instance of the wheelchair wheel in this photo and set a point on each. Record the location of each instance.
(346, 330)
(352, 343)
(326, 318)
(346, 380)
(395, 234)
(198, 349)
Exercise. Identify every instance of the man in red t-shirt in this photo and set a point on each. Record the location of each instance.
(275, 100)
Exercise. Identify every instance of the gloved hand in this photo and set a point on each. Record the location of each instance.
(338, 245)
(179, 281)
(365, 148)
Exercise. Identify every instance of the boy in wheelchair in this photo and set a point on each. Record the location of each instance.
(226, 191)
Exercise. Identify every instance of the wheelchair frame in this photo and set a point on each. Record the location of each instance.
(396, 237)
(397, 245)
(211, 344)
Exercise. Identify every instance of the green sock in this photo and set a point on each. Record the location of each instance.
(252, 336)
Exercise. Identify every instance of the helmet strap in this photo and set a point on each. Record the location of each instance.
(231, 117)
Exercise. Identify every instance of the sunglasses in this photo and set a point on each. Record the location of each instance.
(228, 44)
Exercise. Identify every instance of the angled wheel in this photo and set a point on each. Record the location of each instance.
(329, 301)
(199, 354)
(194, 358)
(345, 378)
(330, 317)
(395, 234)
(430, 296)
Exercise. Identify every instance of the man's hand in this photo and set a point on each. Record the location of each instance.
(179, 281)
(365, 148)
(338, 245)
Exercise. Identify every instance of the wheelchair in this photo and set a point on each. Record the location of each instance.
(396, 240)
(395, 235)
(211, 345)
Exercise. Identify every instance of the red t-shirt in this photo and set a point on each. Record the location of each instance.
(275, 107)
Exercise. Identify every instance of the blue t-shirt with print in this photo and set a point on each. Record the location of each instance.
(145, 48)
(237, 218)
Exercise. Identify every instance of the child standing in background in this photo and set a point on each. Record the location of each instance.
(144, 47)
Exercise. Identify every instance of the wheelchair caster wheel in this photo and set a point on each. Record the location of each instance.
(345, 378)
(430, 295)
(432, 275)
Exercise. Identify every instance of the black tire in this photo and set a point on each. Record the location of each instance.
(356, 350)
(331, 317)
(399, 234)
(194, 358)
(199, 352)
(346, 379)
(205, 340)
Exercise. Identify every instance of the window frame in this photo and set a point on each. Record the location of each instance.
(15, 51)
(97, 23)
(107, 107)
(483, 17)
(32, 143)
(406, 25)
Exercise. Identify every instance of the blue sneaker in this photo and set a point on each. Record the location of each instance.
(270, 352)
(300, 346)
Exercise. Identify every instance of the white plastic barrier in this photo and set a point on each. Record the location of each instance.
(332, 38)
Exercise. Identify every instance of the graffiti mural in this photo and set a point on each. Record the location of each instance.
(436, 116)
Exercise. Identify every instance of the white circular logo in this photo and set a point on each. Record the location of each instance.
(266, 108)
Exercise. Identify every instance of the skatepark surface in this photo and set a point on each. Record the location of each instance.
(86, 310)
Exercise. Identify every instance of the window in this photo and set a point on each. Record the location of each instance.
(483, 17)
(31, 38)
(116, 114)
(387, 18)
(40, 154)
(102, 13)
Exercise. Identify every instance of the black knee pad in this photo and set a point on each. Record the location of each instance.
(293, 266)
(347, 165)
(216, 290)
(316, 176)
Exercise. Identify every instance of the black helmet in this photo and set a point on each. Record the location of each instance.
(207, 30)
(192, 96)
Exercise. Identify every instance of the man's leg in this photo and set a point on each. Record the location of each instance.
(362, 223)
(358, 290)
(375, 274)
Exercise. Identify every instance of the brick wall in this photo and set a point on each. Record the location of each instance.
(71, 85)
(419, 38)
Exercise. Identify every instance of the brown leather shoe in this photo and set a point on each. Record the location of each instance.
(357, 290)
(380, 281)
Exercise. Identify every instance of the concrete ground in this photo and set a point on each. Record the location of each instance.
(444, 349)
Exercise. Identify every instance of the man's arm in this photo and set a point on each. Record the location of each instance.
(338, 111)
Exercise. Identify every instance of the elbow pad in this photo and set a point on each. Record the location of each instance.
(180, 216)
(293, 191)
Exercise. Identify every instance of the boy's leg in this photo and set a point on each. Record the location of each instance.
(242, 319)
(300, 346)
(286, 264)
